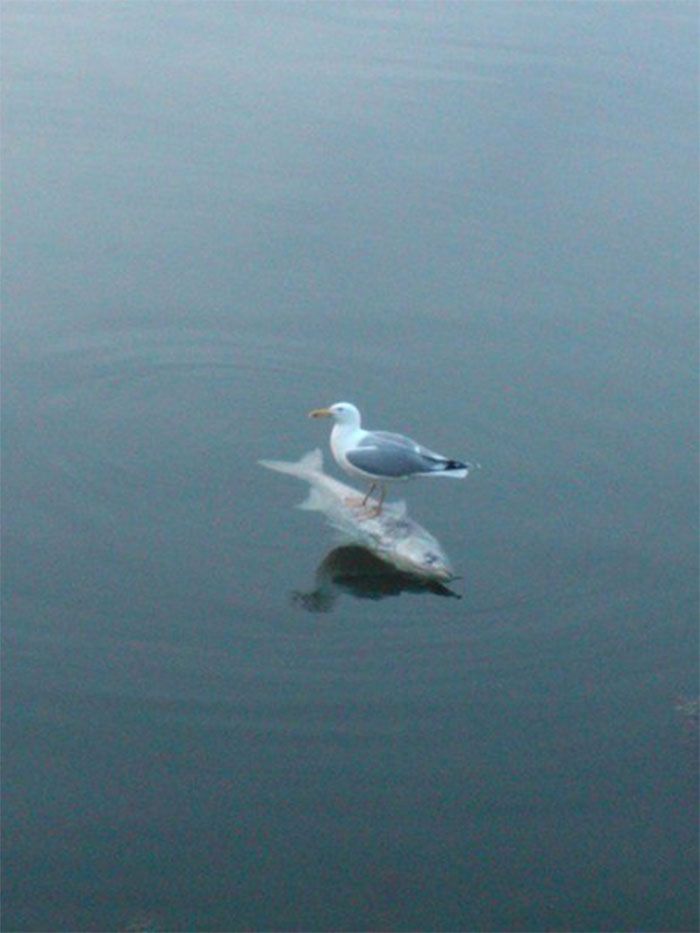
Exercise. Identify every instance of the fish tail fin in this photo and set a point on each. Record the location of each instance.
(309, 463)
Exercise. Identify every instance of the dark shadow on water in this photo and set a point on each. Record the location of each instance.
(357, 571)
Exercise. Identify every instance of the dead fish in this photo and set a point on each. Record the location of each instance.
(356, 571)
(391, 534)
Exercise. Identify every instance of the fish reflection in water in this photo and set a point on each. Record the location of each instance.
(357, 571)
(390, 535)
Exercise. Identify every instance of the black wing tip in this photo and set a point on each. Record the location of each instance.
(456, 465)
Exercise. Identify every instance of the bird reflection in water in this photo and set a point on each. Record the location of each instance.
(355, 570)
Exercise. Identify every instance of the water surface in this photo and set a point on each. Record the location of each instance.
(478, 223)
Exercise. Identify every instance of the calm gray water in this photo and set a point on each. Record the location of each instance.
(477, 221)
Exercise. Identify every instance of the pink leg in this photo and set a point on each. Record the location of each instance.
(378, 508)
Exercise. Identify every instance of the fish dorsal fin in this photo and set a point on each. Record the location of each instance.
(314, 502)
(399, 508)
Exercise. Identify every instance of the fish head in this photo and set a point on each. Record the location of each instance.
(424, 558)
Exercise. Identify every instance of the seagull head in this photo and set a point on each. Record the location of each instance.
(340, 412)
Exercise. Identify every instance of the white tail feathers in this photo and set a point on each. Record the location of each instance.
(454, 468)
(454, 472)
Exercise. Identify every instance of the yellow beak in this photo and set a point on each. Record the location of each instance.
(320, 413)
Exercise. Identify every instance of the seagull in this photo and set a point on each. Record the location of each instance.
(380, 456)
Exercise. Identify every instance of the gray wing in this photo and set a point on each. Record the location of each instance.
(403, 441)
(393, 455)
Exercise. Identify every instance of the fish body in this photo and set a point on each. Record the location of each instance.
(390, 534)
(354, 570)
